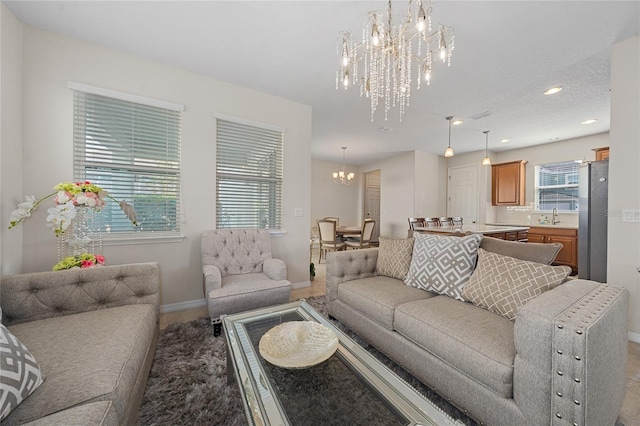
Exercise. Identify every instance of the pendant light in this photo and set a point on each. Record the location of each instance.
(449, 151)
(486, 161)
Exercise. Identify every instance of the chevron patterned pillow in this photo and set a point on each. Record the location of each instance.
(394, 257)
(443, 264)
(501, 284)
(20, 374)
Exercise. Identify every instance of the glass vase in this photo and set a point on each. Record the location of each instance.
(82, 235)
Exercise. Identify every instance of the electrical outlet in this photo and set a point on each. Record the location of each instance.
(297, 212)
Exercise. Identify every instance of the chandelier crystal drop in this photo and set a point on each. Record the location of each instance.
(486, 161)
(342, 176)
(390, 57)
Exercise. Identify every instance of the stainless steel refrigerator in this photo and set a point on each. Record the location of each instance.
(592, 222)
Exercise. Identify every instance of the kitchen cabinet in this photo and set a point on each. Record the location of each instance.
(602, 154)
(510, 236)
(568, 237)
(507, 183)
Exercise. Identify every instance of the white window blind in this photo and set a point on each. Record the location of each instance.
(131, 150)
(556, 186)
(249, 174)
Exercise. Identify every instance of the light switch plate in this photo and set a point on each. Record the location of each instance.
(630, 215)
(297, 212)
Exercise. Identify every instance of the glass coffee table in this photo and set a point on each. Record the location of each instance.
(351, 387)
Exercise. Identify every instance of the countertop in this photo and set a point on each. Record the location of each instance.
(536, 225)
(476, 229)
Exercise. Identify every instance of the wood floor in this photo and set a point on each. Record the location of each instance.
(629, 415)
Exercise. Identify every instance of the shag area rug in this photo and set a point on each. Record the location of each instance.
(188, 380)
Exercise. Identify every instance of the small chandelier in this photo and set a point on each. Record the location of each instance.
(486, 161)
(449, 151)
(342, 176)
(387, 54)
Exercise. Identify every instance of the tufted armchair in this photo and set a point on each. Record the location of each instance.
(239, 272)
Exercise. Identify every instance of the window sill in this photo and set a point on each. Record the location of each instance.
(135, 239)
(277, 233)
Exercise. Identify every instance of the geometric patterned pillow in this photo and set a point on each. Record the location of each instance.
(501, 284)
(394, 257)
(20, 374)
(443, 264)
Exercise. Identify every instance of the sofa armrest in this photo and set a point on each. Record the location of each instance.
(347, 266)
(571, 345)
(211, 279)
(40, 295)
(275, 269)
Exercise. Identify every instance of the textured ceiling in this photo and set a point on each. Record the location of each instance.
(507, 53)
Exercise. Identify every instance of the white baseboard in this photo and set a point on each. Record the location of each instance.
(181, 306)
(634, 337)
(301, 284)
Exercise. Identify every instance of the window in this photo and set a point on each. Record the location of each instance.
(556, 186)
(248, 175)
(132, 150)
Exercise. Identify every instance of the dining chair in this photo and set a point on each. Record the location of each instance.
(457, 222)
(432, 222)
(335, 219)
(446, 221)
(417, 221)
(328, 237)
(364, 239)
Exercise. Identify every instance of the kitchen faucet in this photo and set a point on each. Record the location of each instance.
(554, 218)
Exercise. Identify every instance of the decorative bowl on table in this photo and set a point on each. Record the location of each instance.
(298, 344)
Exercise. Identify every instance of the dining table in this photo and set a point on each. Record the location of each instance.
(342, 231)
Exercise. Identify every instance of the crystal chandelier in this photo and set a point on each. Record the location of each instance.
(387, 54)
(342, 176)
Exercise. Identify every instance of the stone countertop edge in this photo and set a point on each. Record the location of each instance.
(534, 225)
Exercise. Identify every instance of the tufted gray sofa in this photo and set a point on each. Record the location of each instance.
(561, 362)
(239, 273)
(93, 332)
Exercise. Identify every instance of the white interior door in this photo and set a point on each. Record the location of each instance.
(372, 200)
(462, 197)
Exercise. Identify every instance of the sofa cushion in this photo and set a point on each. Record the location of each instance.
(502, 284)
(443, 264)
(472, 340)
(533, 252)
(87, 357)
(377, 297)
(20, 373)
(394, 257)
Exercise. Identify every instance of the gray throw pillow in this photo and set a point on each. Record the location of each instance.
(533, 252)
(20, 373)
(394, 257)
(443, 264)
(501, 284)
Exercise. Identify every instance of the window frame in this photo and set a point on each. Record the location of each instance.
(255, 126)
(80, 166)
(572, 170)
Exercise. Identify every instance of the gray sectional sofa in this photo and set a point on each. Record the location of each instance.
(93, 333)
(561, 361)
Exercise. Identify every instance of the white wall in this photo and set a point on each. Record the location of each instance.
(406, 190)
(427, 190)
(51, 61)
(624, 176)
(10, 136)
(329, 198)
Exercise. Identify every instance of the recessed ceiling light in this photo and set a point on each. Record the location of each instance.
(505, 140)
(456, 122)
(590, 121)
(385, 129)
(553, 90)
